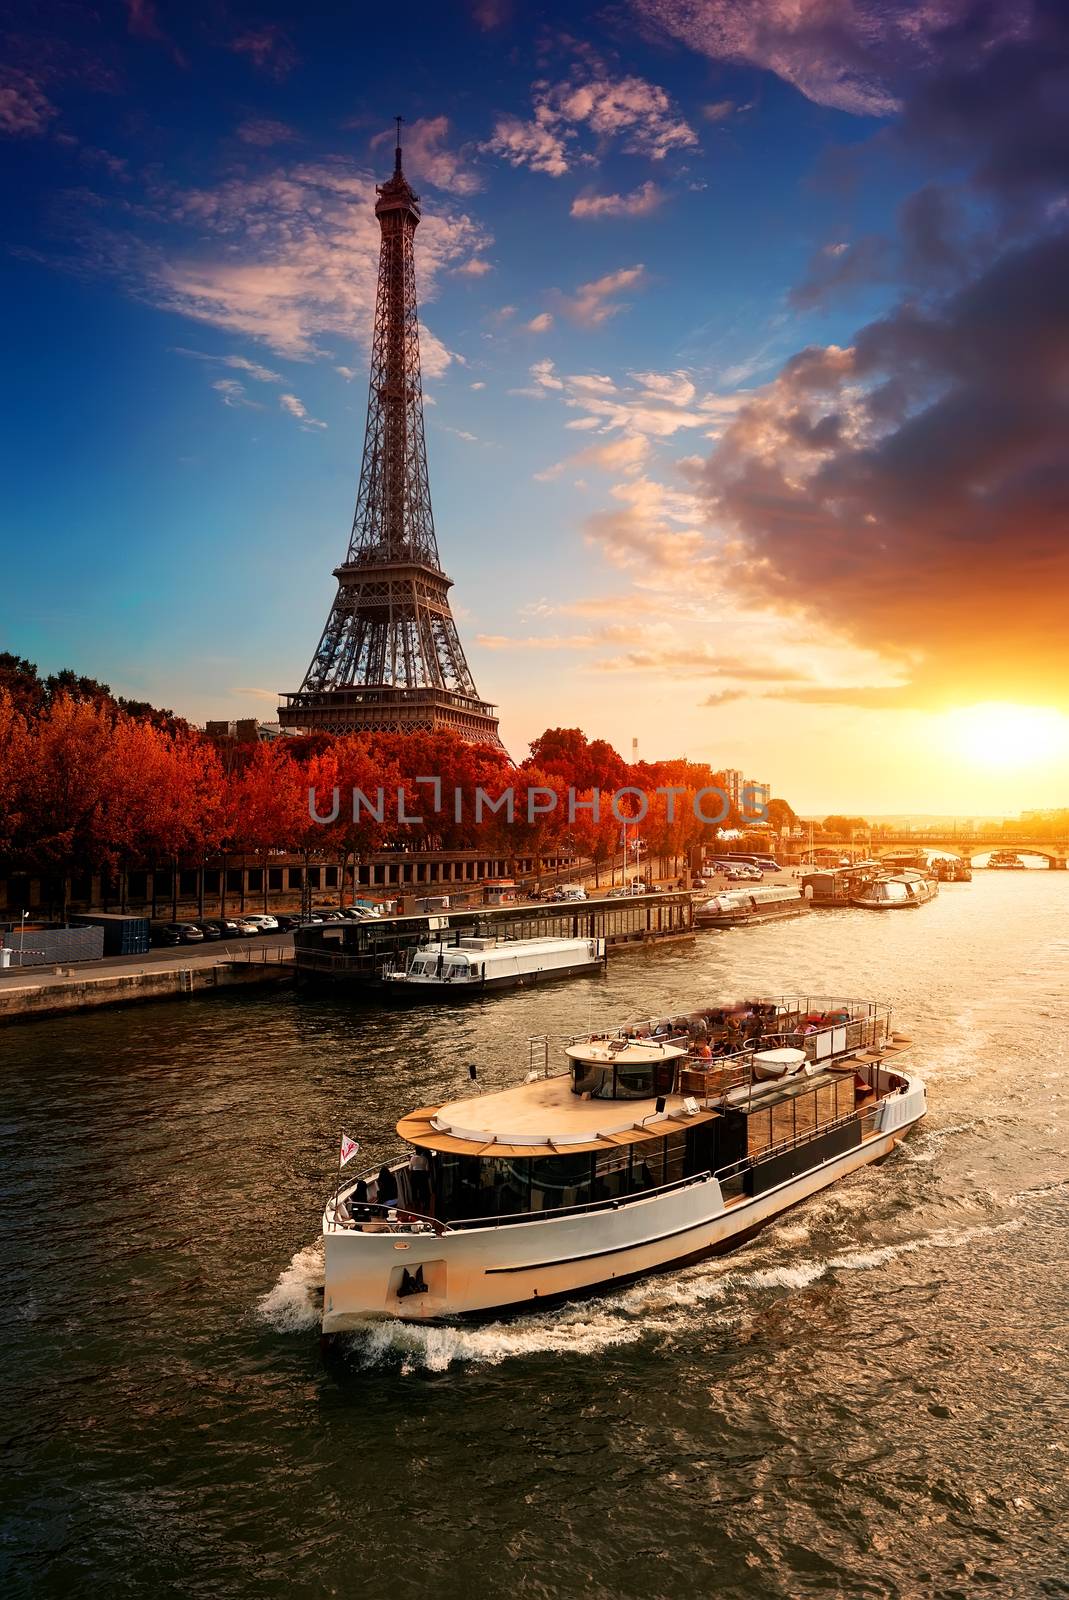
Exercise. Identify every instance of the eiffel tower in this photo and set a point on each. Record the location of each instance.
(390, 658)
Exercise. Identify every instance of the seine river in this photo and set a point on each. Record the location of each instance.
(868, 1400)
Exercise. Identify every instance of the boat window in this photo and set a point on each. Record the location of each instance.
(635, 1080)
(896, 891)
(560, 1181)
(805, 1113)
(592, 1078)
(470, 1187)
(675, 1156)
(647, 1164)
(611, 1169)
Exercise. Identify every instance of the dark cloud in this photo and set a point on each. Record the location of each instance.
(839, 266)
(1000, 100)
(913, 488)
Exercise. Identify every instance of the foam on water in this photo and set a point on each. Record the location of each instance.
(945, 1239)
(573, 1330)
(294, 1305)
(657, 1307)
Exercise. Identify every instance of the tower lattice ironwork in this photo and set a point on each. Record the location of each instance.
(390, 657)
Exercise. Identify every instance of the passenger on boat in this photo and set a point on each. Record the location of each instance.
(704, 1050)
(419, 1177)
(387, 1187)
(358, 1207)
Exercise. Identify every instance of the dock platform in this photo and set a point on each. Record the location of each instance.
(357, 953)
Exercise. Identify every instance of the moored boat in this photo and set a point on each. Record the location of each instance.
(659, 1144)
(950, 869)
(736, 907)
(892, 890)
(834, 886)
(450, 969)
(1005, 861)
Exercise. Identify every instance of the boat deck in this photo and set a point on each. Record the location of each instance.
(543, 1119)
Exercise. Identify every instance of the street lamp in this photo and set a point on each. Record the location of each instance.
(22, 934)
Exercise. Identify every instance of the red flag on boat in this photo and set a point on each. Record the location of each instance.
(349, 1147)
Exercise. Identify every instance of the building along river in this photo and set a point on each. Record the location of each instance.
(868, 1399)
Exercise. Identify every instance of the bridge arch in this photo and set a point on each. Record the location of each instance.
(975, 851)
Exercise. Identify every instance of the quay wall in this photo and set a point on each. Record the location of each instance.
(87, 993)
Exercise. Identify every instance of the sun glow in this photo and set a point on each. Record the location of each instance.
(999, 734)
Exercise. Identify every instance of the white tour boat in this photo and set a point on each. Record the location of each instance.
(891, 890)
(450, 969)
(657, 1145)
(735, 907)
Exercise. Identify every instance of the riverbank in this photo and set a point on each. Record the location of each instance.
(164, 975)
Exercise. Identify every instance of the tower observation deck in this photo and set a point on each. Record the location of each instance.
(390, 658)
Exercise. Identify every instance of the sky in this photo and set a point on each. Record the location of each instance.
(745, 344)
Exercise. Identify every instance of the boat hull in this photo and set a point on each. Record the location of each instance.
(515, 1265)
(744, 919)
(885, 905)
(399, 991)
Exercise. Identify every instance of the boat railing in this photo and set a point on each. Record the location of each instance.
(538, 1058)
(386, 1218)
(822, 1046)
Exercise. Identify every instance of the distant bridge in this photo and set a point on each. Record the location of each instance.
(970, 847)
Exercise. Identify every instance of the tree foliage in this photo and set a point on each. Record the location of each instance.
(88, 783)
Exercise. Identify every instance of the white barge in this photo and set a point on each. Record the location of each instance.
(657, 1145)
(449, 969)
(734, 908)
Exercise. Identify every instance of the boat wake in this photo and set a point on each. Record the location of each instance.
(295, 1304)
(657, 1308)
(574, 1329)
(925, 1146)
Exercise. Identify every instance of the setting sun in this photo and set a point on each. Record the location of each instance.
(1000, 734)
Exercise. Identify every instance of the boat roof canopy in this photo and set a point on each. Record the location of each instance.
(543, 1119)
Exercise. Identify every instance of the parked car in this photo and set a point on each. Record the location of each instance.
(219, 928)
(570, 891)
(262, 922)
(244, 928)
(621, 892)
(209, 928)
(171, 933)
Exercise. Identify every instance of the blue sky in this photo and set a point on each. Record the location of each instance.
(635, 219)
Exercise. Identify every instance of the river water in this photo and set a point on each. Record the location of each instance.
(868, 1400)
